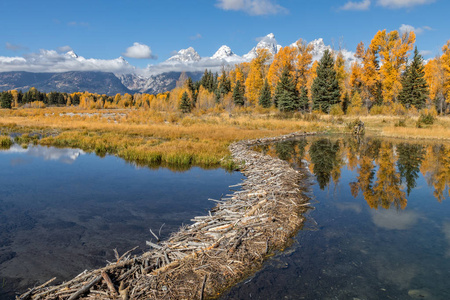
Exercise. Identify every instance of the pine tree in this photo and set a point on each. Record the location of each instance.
(325, 88)
(414, 86)
(6, 100)
(345, 103)
(265, 97)
(304, 100)
(185, 104)
(224, 84)
(238, 94)
(286, 95)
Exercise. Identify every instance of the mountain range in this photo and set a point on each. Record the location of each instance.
(73, 73)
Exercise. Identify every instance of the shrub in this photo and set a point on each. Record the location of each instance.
(425, 119)
(336, 110)
(400, 123)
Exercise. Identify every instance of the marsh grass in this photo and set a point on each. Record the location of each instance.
(173, 139)
(148, 137)
(5, 142)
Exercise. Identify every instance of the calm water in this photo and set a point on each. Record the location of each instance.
(380, 228)
(63, 211)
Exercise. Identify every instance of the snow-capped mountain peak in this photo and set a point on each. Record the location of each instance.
(185, 55)
(71, 54)
(268, 42)
(223, 52)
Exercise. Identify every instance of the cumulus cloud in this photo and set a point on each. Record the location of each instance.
(252, 7)
(408, 28)
(350, 5)
(53, 61)
(14, 47)
(402, 3)
(140, 51)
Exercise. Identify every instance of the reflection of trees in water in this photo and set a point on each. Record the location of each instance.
(324, 156)
(291, 151)
(436, 169)
(382, 167)
(385, 191)
(410, 156)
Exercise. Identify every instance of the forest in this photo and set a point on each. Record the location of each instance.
(388, 76)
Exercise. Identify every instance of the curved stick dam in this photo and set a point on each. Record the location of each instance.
(203, 259)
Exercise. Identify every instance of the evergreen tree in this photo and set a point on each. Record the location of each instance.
(238, 94)
(224, 84)
(193, 89)
(6, 100)
(185, 105)
(325, 88)
(304, 100)
(286, 95)
(345, 103)
(414, 86)
(265, 97)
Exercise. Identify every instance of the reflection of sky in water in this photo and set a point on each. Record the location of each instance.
(64, 155)
(58, 219)
(383, 224)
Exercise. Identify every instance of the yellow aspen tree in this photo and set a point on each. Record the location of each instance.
(285, 58)
(304, 60)
(445, 59)
(312, 75)
(434, 75)
(256, 74)
(341, 74)
(393, 50)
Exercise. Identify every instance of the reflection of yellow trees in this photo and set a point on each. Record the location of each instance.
(436, 169)
(387, 187)
(386, 173)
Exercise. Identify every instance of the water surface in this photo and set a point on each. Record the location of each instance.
(380, 228)
(63, 211)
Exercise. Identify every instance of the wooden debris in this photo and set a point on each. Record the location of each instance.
(202, 259)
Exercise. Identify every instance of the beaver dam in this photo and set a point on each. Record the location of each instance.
(203, 259)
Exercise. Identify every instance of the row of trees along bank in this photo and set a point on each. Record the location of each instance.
(384, 78)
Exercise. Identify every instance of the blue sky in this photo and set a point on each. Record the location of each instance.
(104, 29)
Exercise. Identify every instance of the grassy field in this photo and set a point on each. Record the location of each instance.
(177, 140)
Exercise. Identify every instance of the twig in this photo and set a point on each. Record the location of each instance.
(85, 288)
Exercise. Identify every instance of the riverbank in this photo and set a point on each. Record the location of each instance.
(177, 141)
(203, 259)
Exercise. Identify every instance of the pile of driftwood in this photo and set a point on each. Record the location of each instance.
(203, 259)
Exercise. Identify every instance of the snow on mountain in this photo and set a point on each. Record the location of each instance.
(224, 53)
(319, 48)
(185, 56)
(268, 42)
(71, 54)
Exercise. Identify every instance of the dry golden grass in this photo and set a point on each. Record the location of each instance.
(148, 137)
(173, 139)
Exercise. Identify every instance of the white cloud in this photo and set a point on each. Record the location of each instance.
(139, 51)
(252, 7)
(425, 52)
(363, 5)
(64, 49)
(53, 61)
(408, 28)
(402, 3)
(14, 47)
